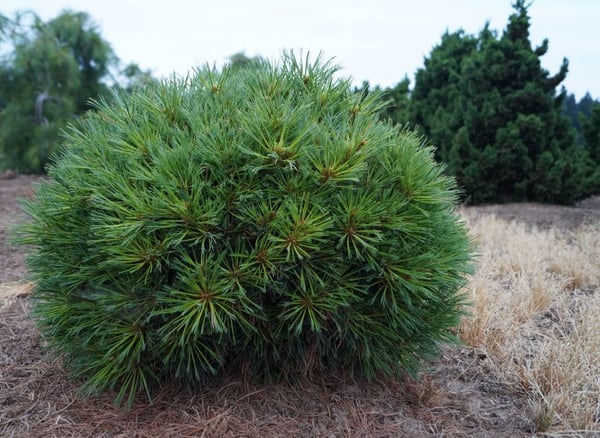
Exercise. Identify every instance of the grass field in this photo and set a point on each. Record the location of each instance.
(536, 315)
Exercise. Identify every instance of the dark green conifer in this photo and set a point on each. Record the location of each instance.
(497, 119)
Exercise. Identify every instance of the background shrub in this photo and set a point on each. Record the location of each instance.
(257, 217)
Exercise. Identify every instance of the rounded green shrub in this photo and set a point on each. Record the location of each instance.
(259, 218)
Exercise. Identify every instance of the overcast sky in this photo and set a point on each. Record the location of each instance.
(376, 40)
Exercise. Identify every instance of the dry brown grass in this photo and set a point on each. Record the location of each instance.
(529, 365)
(10, 291)
(536, 315)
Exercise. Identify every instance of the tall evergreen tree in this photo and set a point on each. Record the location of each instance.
(591, 133)
(496, 118)
(76, 32)
(437, 99)
(46, 80)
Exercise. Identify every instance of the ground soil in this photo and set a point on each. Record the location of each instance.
(546, 216)
(12, 267)
(457, 396)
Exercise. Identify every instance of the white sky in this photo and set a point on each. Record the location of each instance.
(376, 40)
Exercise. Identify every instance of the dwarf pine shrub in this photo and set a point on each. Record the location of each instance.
(260, 218)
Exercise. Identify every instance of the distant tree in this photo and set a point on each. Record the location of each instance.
(79, 35)
(591, 133)
(47, 79)
(395, 101)
(496, 118)
(132, 76)
(585, 104)
(571, 111)
(240, 59)
(397, 98)
(576, 110)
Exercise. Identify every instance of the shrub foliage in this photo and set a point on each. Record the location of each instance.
(258, 217)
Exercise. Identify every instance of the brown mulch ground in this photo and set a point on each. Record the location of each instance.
(546, 216)
(12, 267)
(458, 396)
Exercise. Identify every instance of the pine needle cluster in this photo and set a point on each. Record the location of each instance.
(258, 217)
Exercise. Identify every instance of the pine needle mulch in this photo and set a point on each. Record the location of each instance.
(457, 396)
